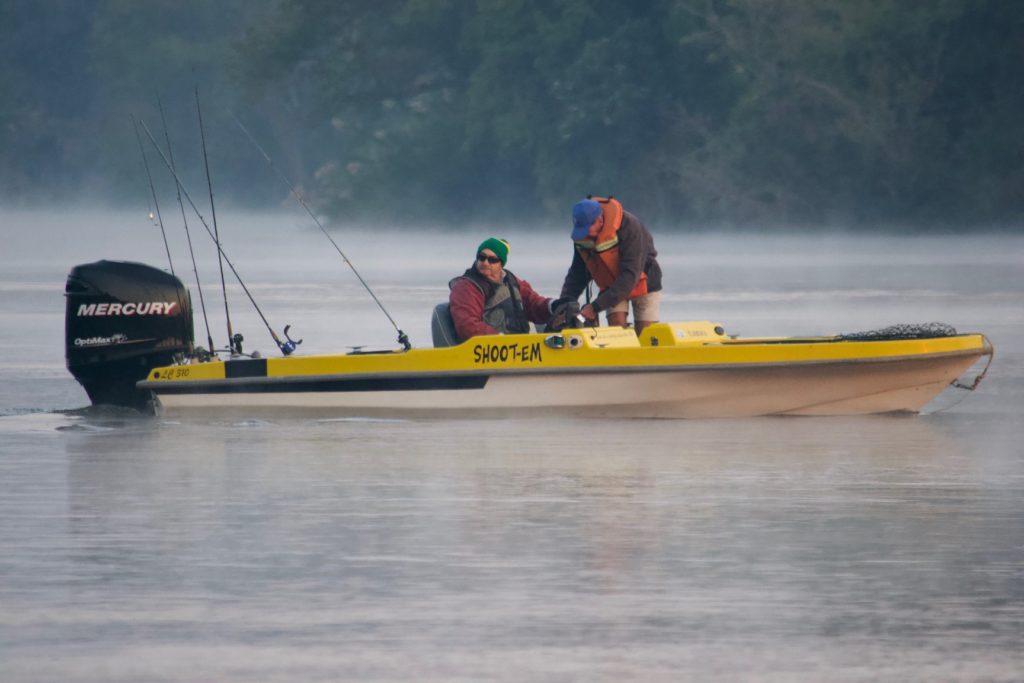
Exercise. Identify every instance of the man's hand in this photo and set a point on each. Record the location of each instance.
(588, 312)
(557, 304)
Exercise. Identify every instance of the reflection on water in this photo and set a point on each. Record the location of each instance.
(768, 549)
(793, 549)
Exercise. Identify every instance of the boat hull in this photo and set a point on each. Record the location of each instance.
(607, 375)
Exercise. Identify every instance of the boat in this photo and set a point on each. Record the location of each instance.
(129, 341)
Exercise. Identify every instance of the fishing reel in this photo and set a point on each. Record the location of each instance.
(289, 346)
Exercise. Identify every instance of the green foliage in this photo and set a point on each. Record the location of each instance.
(694, 112)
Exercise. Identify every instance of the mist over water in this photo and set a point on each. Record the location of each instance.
(755, 284)
(827, 549)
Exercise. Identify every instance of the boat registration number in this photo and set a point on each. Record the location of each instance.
(172, 373)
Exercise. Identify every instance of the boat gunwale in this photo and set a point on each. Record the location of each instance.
(186, 385)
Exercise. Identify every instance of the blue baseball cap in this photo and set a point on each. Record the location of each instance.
(584, 213)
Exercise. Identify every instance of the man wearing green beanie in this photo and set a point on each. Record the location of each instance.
(487, 299)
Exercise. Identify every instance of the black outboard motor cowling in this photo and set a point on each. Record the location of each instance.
(123, 319)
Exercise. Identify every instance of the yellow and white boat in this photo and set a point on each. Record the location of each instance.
(129, 341)
(673, 370)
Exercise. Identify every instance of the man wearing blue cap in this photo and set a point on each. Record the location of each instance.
(614, 249)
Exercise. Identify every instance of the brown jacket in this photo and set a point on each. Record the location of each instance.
(637, 254)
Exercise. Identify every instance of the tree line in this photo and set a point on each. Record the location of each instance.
(700, 113)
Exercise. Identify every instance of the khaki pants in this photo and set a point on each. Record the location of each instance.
(646, 308)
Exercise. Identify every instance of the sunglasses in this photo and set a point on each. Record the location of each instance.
(489, 259)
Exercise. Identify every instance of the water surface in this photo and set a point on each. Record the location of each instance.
(771, 549)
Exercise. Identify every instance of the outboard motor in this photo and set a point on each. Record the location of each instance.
(123, 319)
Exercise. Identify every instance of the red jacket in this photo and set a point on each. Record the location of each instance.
(466, 303)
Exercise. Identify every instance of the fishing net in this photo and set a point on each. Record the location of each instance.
(903, 331)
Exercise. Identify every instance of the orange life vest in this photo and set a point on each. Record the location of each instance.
(601, 254)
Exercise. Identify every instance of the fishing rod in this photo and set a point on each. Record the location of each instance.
(403, 338)
(152, 190)
(216, 232)
(184, 219)
(286, 347)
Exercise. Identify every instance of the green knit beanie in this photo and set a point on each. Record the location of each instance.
(498, 246)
